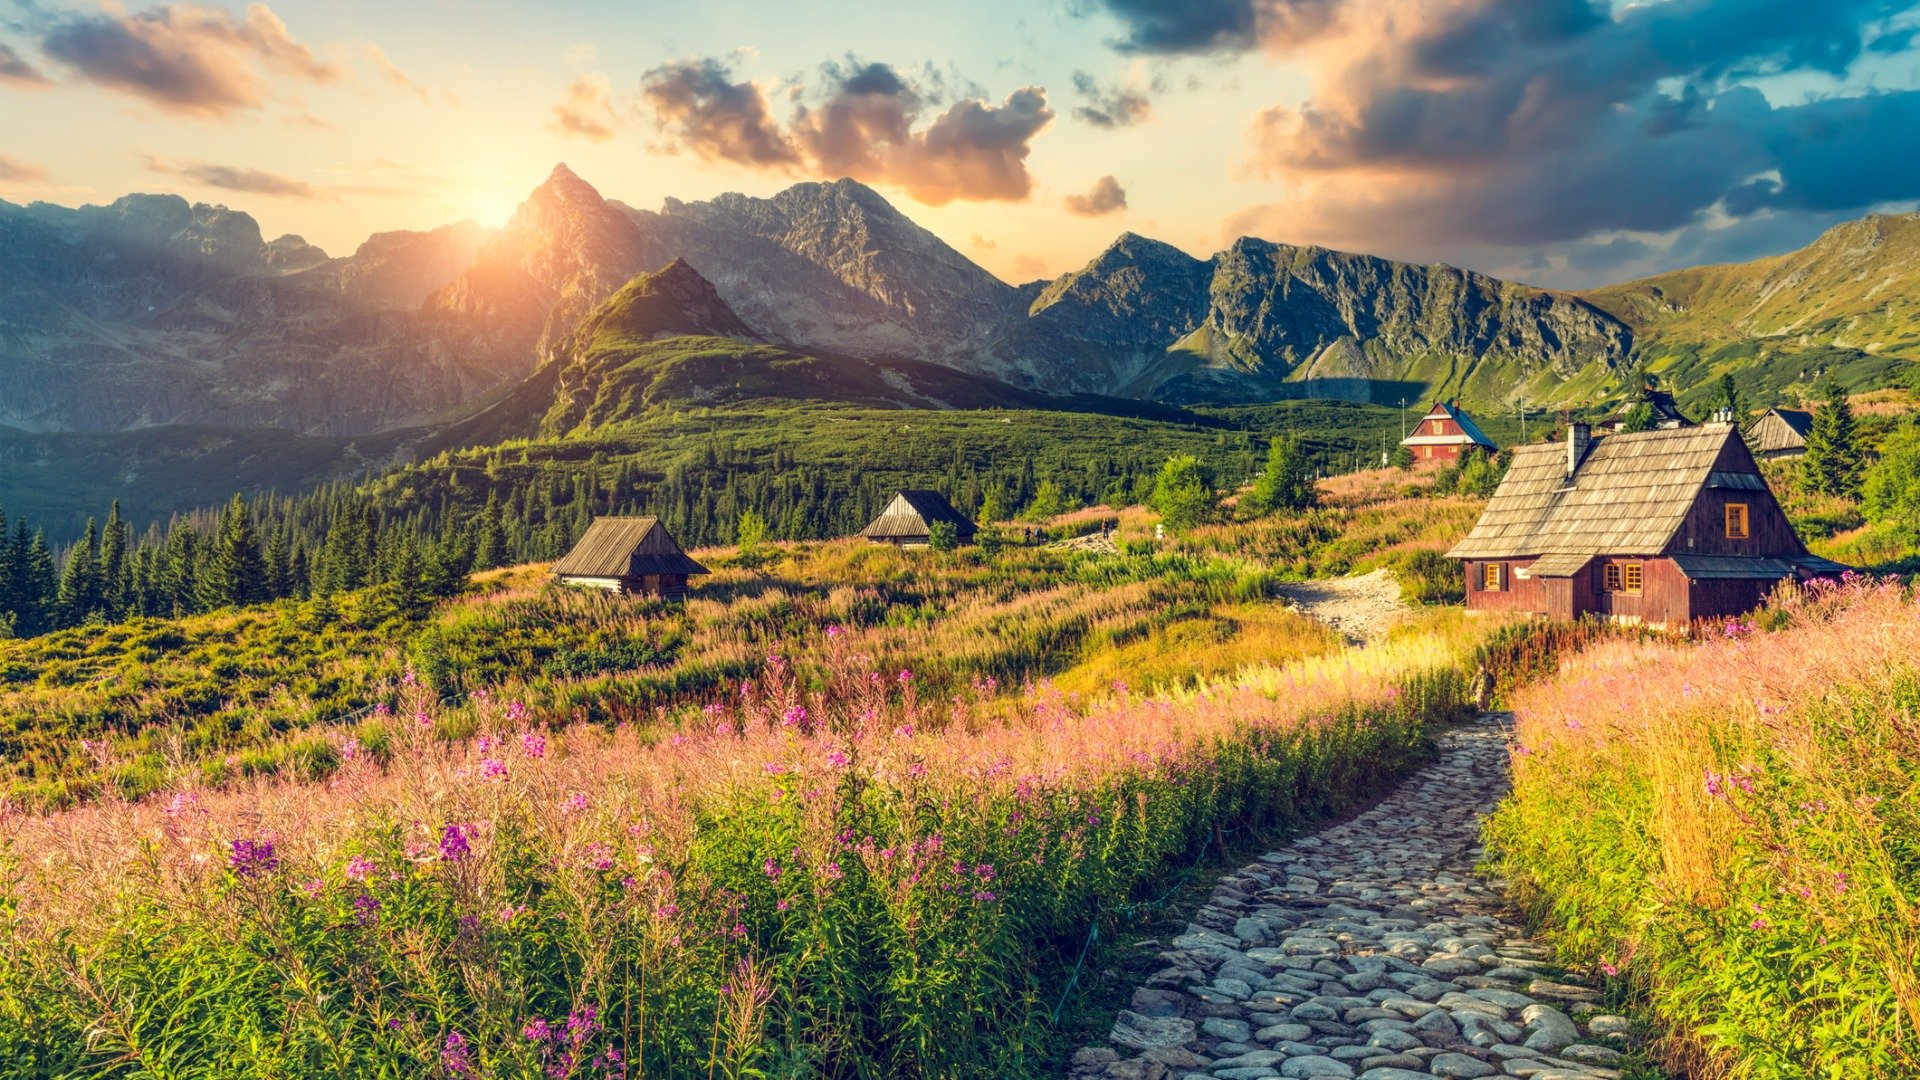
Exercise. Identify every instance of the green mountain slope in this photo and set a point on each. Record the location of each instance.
(1847, 304)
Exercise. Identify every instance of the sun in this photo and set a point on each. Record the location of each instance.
(493, 206)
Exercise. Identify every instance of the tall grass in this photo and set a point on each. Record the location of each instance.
(843, 879)
(1731, 826)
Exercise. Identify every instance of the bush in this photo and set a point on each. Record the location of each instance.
(943, 536)
(1427, 576)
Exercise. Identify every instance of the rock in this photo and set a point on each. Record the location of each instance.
(1548, 1029)
(1609, 1025)
(1176, 1057)
(1393, 1072)
(1459, 1067)
(1137, 1032)
(1251, 931)
(1221, 1027)
(1284, 1033)
(1305, 1068)
(1232, 989)
(1137, 1069)
(1437, 1021)
(1253, 1073)
(1590, 1054)
(1394, 1040)
(1543, 988)
(1148, 1001)
(1252, 1059)
(1094, 1056)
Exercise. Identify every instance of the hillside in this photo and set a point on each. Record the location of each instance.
(1848, 304)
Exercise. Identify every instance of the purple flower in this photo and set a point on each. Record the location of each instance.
(453, 843)
(366, 909)
(360, 868)
(599, 856)
(534, 744)
(253, 858)
(456, 1056)
(574, 803)
(516, 711)
(772, 868)
(795, 717)
(537, 1030)
(832, 871)
(835, 631)
(838, 760)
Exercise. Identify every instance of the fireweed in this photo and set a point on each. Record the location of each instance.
(1729, 827)
(843, 880)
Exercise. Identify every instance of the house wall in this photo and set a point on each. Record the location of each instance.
(1719, 598)
(1704, 531)
(1520, 594)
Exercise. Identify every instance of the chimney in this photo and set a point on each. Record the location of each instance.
(1579, 438)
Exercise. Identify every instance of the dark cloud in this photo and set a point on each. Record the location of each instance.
(1109, 107)
(235, 178)
(864, 122)
(586, 110)
(15, 71)
(184, 58)
(1216, 26)
(703, 112)
(1442, 128)
(1107, 197)
(12, 169)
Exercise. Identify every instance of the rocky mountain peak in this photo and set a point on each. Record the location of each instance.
(674, 301)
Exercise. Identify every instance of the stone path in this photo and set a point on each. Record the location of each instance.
(1368, 950)
(1362, 607)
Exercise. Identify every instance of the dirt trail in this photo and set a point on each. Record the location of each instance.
(1361, 608)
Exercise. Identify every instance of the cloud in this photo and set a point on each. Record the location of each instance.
(391, 72)
(184, 58)
(863, 121)
(16, 71)
(1435, 127)
(1117, 107)
(1215, 26)
(703, 112)
(586, 110)
(984, 243)
(12, 169)
(1107, 197)
(235, 178)
(1029, 267)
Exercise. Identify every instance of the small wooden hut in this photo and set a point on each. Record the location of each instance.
(631, 556)
(1780, 433)
(1446, 433)
(1666, 413)
(908, 520)
(1659, 527)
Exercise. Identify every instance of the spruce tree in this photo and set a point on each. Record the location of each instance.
(1287, 482)
(79, 589)
(235, 572)
(114, 540)
(1832, 462)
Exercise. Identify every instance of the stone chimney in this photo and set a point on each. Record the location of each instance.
(1579, 438)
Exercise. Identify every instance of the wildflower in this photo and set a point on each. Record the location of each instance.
(832, 871)
(423, 718)
(1759, 924)
(455, 1056)
(181, 802)
(838, 760)
(493, 769)
(349, 748)
(781, 906)
(1715, 789)
(599, 856)
(772, 868)
(253, 858)
(516, 711)
(453, 843)
(534, 744)
(313, 887)
(536, 1030)
(508, 913)
(984, 872)
(904, 677)
(835, 631)
(360, 868)
(794, 717)
(1609, 969)
(905, 731)
(366, 909)
(407, 677)
(574, 803)
(774, 768)
(983, 896)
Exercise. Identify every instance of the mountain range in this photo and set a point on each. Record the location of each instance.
(167, 348)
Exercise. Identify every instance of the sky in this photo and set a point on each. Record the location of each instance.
(1566, 143)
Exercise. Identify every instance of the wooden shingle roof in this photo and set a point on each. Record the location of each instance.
(626, 547)
(1629, 495)
(912, 512)
(1780, 430)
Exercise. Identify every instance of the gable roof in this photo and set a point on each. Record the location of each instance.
(626, 547)
(1665, 410)
(1628, 496)
(912, 512)
(1780, 429)
(1447, 410)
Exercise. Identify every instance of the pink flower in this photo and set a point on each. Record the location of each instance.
(599, 856)
(360, 868)
(835, 631)
(574, 803)
(1608, 968)
(534, 744)
(832, 871)
(772, 868)
(493, 769)
(794, 717)
(838, 760)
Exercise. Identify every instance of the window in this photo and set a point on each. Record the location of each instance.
(1490, 580)
(1439, 427)
(1623, 577)
(1736, 521)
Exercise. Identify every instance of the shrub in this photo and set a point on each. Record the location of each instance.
(1427, 576)
(943, 536)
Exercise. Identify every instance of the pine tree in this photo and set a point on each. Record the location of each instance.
(1287, 482)
(1730, 396)
(235, 572)
(1832, 462)
(115, 538)
(79, 589)
(1183, 492)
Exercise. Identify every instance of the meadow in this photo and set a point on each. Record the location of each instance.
(1728, 830)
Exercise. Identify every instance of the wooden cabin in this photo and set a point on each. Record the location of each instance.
(908, 520)
(1446, 433)
(1666, 413)
(1660, 527)
(631, 556)
(1780, 433)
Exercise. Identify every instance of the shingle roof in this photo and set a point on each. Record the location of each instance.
(1629, 495)
(912, 512)
(1732, 566)
(1780, 429)
(626, 547)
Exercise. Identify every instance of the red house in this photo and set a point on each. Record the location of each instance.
(1446, 433)
(1661, 527)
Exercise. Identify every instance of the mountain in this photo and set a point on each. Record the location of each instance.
(1847, 304)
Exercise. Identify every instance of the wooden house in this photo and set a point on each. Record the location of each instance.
(1666, 412)
(631, 556)
(908, 520)
(1661, 527)
(1446, 433)
(1780, 433)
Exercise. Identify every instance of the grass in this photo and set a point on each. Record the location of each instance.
(1729, 828)
(848, 878)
